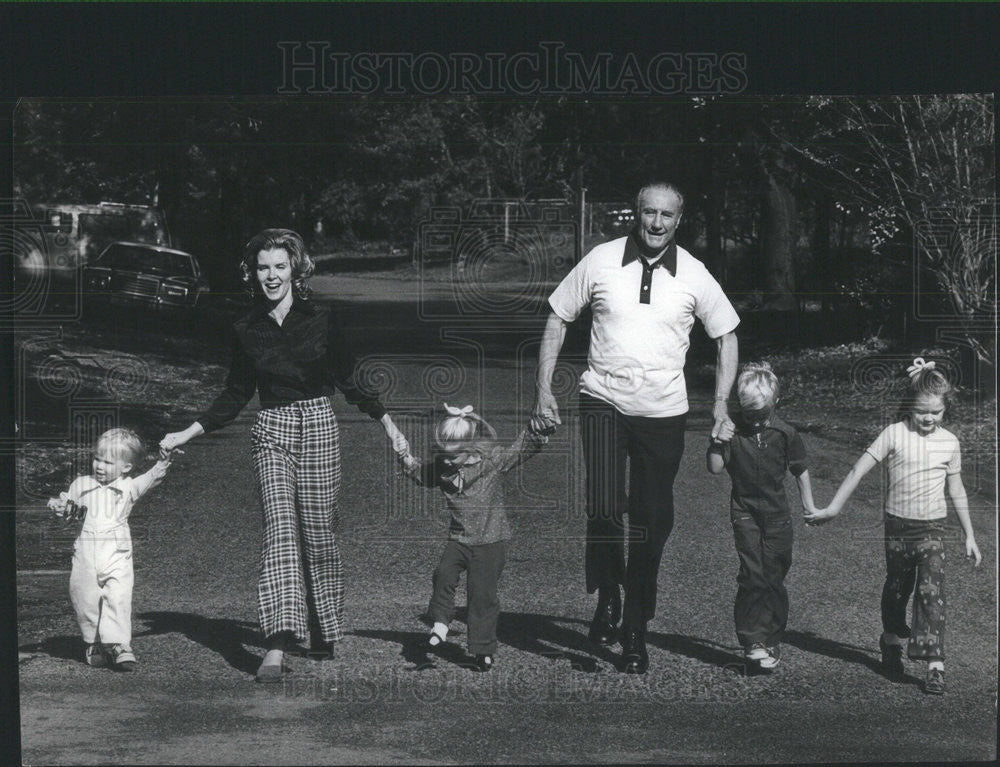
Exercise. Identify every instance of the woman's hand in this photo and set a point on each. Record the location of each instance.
(175, 439)
(399, 444)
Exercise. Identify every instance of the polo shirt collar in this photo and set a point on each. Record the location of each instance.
(633, 252)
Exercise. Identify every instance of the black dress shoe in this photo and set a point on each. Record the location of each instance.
(604, 627)
(635, 659)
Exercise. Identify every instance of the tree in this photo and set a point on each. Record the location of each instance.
(922, 167)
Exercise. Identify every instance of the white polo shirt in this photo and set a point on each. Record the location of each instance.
(108, 506)
(642, 320)
(918, 466)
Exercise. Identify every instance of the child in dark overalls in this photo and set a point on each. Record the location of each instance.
(757, 451)
(469, 470)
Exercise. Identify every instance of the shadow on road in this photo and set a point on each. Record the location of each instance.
(809, 642)
(703, 650)
(64, 647)
(553, 638)
(224, 636)
(413, 650)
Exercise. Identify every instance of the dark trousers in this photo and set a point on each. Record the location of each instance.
(654, 447)
(483, 565)
(914, 557)
(764, 546)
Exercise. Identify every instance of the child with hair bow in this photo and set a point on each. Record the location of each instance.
(924, 461)
(469, 468)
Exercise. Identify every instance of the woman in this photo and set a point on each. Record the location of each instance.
(292, 352)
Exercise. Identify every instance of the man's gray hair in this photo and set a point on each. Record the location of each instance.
(657, 183)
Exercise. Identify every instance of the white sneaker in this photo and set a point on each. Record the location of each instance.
(121, 656)
(772, 658)
(95, 656)
(755, 652)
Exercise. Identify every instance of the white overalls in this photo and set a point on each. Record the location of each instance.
(100, 584)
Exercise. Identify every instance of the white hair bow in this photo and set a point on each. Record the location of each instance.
(917, 366)
(463, 411)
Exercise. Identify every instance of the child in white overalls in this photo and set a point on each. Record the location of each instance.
(100, 583)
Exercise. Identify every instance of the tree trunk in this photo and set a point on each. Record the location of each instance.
(822, 251)
(779, 243)
(713, 230)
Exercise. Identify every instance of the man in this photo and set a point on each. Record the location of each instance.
(644, 292)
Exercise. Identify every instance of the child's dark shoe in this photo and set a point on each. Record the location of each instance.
(483, 663)
(892, 657)
(95, 656)
(120, 656)
(935, 681)
(434, 641)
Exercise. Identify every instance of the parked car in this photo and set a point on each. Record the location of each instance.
(66, 237)
(139, 274)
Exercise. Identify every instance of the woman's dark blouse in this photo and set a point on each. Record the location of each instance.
(303, 358)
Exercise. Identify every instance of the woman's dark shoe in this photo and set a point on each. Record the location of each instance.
(271, 669)
(635, 659)
(322, 650)
(604, 627)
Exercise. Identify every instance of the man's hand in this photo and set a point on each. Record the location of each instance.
(726, 431)
(545, 414)
(721, 419)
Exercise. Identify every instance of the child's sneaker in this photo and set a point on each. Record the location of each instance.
(772, 657)
(95, 656)
(435, 639)
(484, 663)
(935, 681)
(755, 652)
(892, 657)
(121, 657)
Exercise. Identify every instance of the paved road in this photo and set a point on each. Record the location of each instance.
(553, 698)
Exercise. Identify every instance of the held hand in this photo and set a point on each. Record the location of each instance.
(972, 551)
(721, 420)
(58, 505)
(545, 414)
(410, 464)
(399, 444)
(726, 431)
(172, 441)
(819, 516)
(166, 456)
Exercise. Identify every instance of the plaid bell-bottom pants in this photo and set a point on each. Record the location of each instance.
(296, 458)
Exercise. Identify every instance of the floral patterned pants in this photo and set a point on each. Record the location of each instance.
(914, 557)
